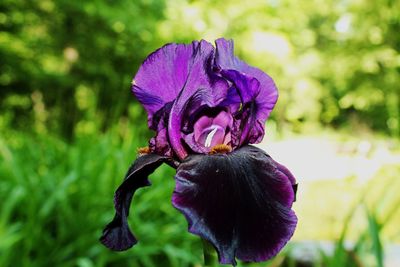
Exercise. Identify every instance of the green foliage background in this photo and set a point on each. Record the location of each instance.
(336, 63)
(69, 126)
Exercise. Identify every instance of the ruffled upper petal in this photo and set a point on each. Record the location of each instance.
(268, 93)
(247, 88)
(202, 87)
(240, 202)
(117, 235)
(163, 75)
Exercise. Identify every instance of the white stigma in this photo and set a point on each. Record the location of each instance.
(210, 137)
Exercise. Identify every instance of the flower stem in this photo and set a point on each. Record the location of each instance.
(210, 257)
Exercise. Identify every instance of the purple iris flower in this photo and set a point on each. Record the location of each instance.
(206, 106)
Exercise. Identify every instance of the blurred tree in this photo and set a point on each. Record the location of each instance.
(50, 49)
(335, 62)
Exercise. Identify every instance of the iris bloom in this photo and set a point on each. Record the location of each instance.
(206, 106)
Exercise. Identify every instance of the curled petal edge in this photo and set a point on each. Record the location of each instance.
(117, 235)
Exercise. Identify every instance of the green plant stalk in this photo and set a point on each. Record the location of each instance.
(210, 256)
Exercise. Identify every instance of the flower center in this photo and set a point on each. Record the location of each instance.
(212, 135)
(210, 130)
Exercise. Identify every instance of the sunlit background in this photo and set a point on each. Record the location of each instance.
(69, 126)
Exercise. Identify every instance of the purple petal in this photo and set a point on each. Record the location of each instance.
(163, 75)
(248, 87)
(223, 119)
(240, 202)
(285, 172)
(268, 94)
(200, 83)
(116, 234)
(247, 128)
(233, 100)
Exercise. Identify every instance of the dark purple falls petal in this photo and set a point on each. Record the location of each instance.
(117, 235)
(240, 202)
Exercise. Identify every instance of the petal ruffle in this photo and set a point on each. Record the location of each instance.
(117, 235)
(248, 87)
(268, 93)
(246, 127)
(240, 202)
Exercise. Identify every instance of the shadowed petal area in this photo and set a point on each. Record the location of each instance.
(240, 202)
(117, 235)
(159, 144)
